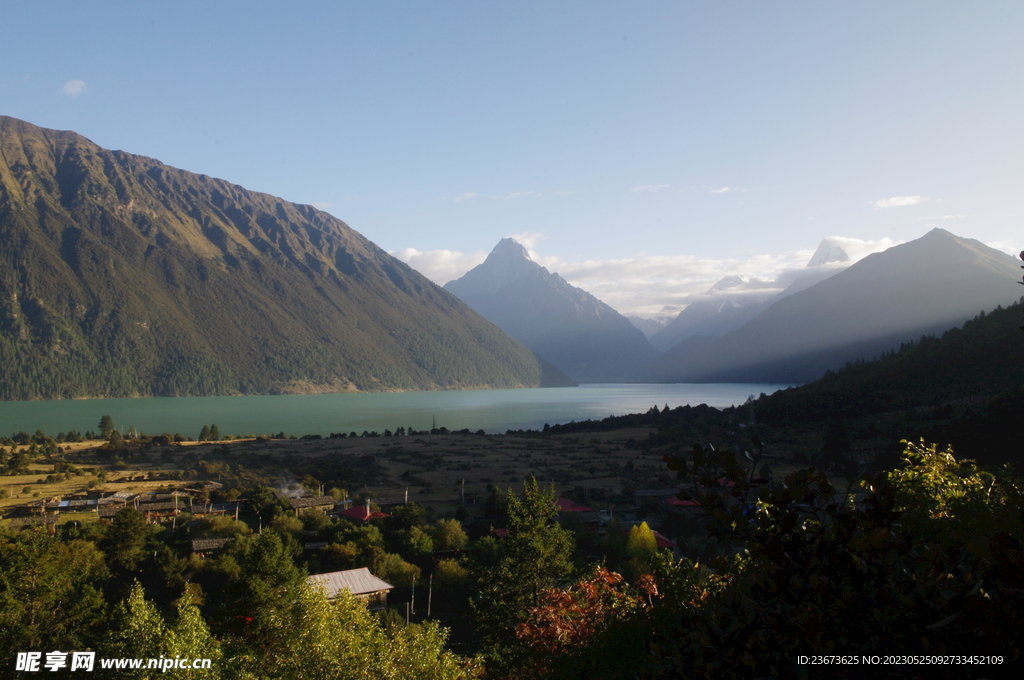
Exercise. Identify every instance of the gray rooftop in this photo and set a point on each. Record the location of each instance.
(207, 544)
(356, 581)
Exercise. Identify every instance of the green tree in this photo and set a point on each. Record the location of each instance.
(415, 543)
(265, 585)
(204, 434)
(106, 426)
(124, 539)
(18, 462)
(449, 535)
(214, 433)
(264, 504)
(641, 545)
(341, 640)
(137, 631)
(190, 638)
(393, 569)
(535, 555)
(49, 594)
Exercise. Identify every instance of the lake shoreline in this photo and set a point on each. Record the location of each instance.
(491, 410)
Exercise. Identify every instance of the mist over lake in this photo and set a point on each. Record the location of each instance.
(489, 410)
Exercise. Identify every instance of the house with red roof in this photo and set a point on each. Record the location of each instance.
(566, 505)
(361, 513)
(590, 518)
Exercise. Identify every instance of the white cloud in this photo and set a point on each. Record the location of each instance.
(1012, 247)
(464, 197)
(897, 201)
(529, 239)
(648, 187)
(322, 206)
(858, 249)
(73, 88)
(440, 266)
(725, 190)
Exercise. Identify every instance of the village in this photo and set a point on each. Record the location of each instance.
(609, 480)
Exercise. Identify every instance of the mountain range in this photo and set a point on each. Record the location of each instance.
(922, 287)
(567, 326)
(730, 303)
(122, 276)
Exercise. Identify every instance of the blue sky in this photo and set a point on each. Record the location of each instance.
(642, 149)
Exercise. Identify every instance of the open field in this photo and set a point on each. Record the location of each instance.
(600, 469)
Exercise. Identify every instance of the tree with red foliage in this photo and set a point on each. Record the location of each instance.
(567, 619)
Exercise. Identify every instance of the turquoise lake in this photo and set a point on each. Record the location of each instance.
(489, 410)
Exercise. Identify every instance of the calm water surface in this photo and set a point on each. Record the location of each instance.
(490, 410)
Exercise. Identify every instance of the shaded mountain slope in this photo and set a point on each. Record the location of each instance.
(565, 325)
(121, 276)
(918, 288)
(708, 318)
(980, 361)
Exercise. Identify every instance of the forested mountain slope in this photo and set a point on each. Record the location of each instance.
(982, 360)
(121, 276)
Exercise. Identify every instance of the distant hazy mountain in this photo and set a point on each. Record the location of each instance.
(728, 304)
(646, 326)
(921, 287)
(569, 327)
(121, 276)
(716, 313)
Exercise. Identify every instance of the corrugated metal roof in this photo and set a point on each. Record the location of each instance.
(356, 581)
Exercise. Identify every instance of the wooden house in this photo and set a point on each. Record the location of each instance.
(363, 585)
(325, 503)
(207, 546)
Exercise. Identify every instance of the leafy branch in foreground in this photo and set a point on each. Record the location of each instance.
(929, 560)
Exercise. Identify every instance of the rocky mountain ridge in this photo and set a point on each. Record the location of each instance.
(121, 276)
(567, 326)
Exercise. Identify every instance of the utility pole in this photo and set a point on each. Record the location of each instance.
(430, 595)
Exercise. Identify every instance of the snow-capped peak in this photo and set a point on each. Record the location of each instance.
(828, 251)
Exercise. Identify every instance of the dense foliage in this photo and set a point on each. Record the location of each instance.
(928, 561)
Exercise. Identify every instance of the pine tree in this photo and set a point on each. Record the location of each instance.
(106, 426)
(536, 555)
